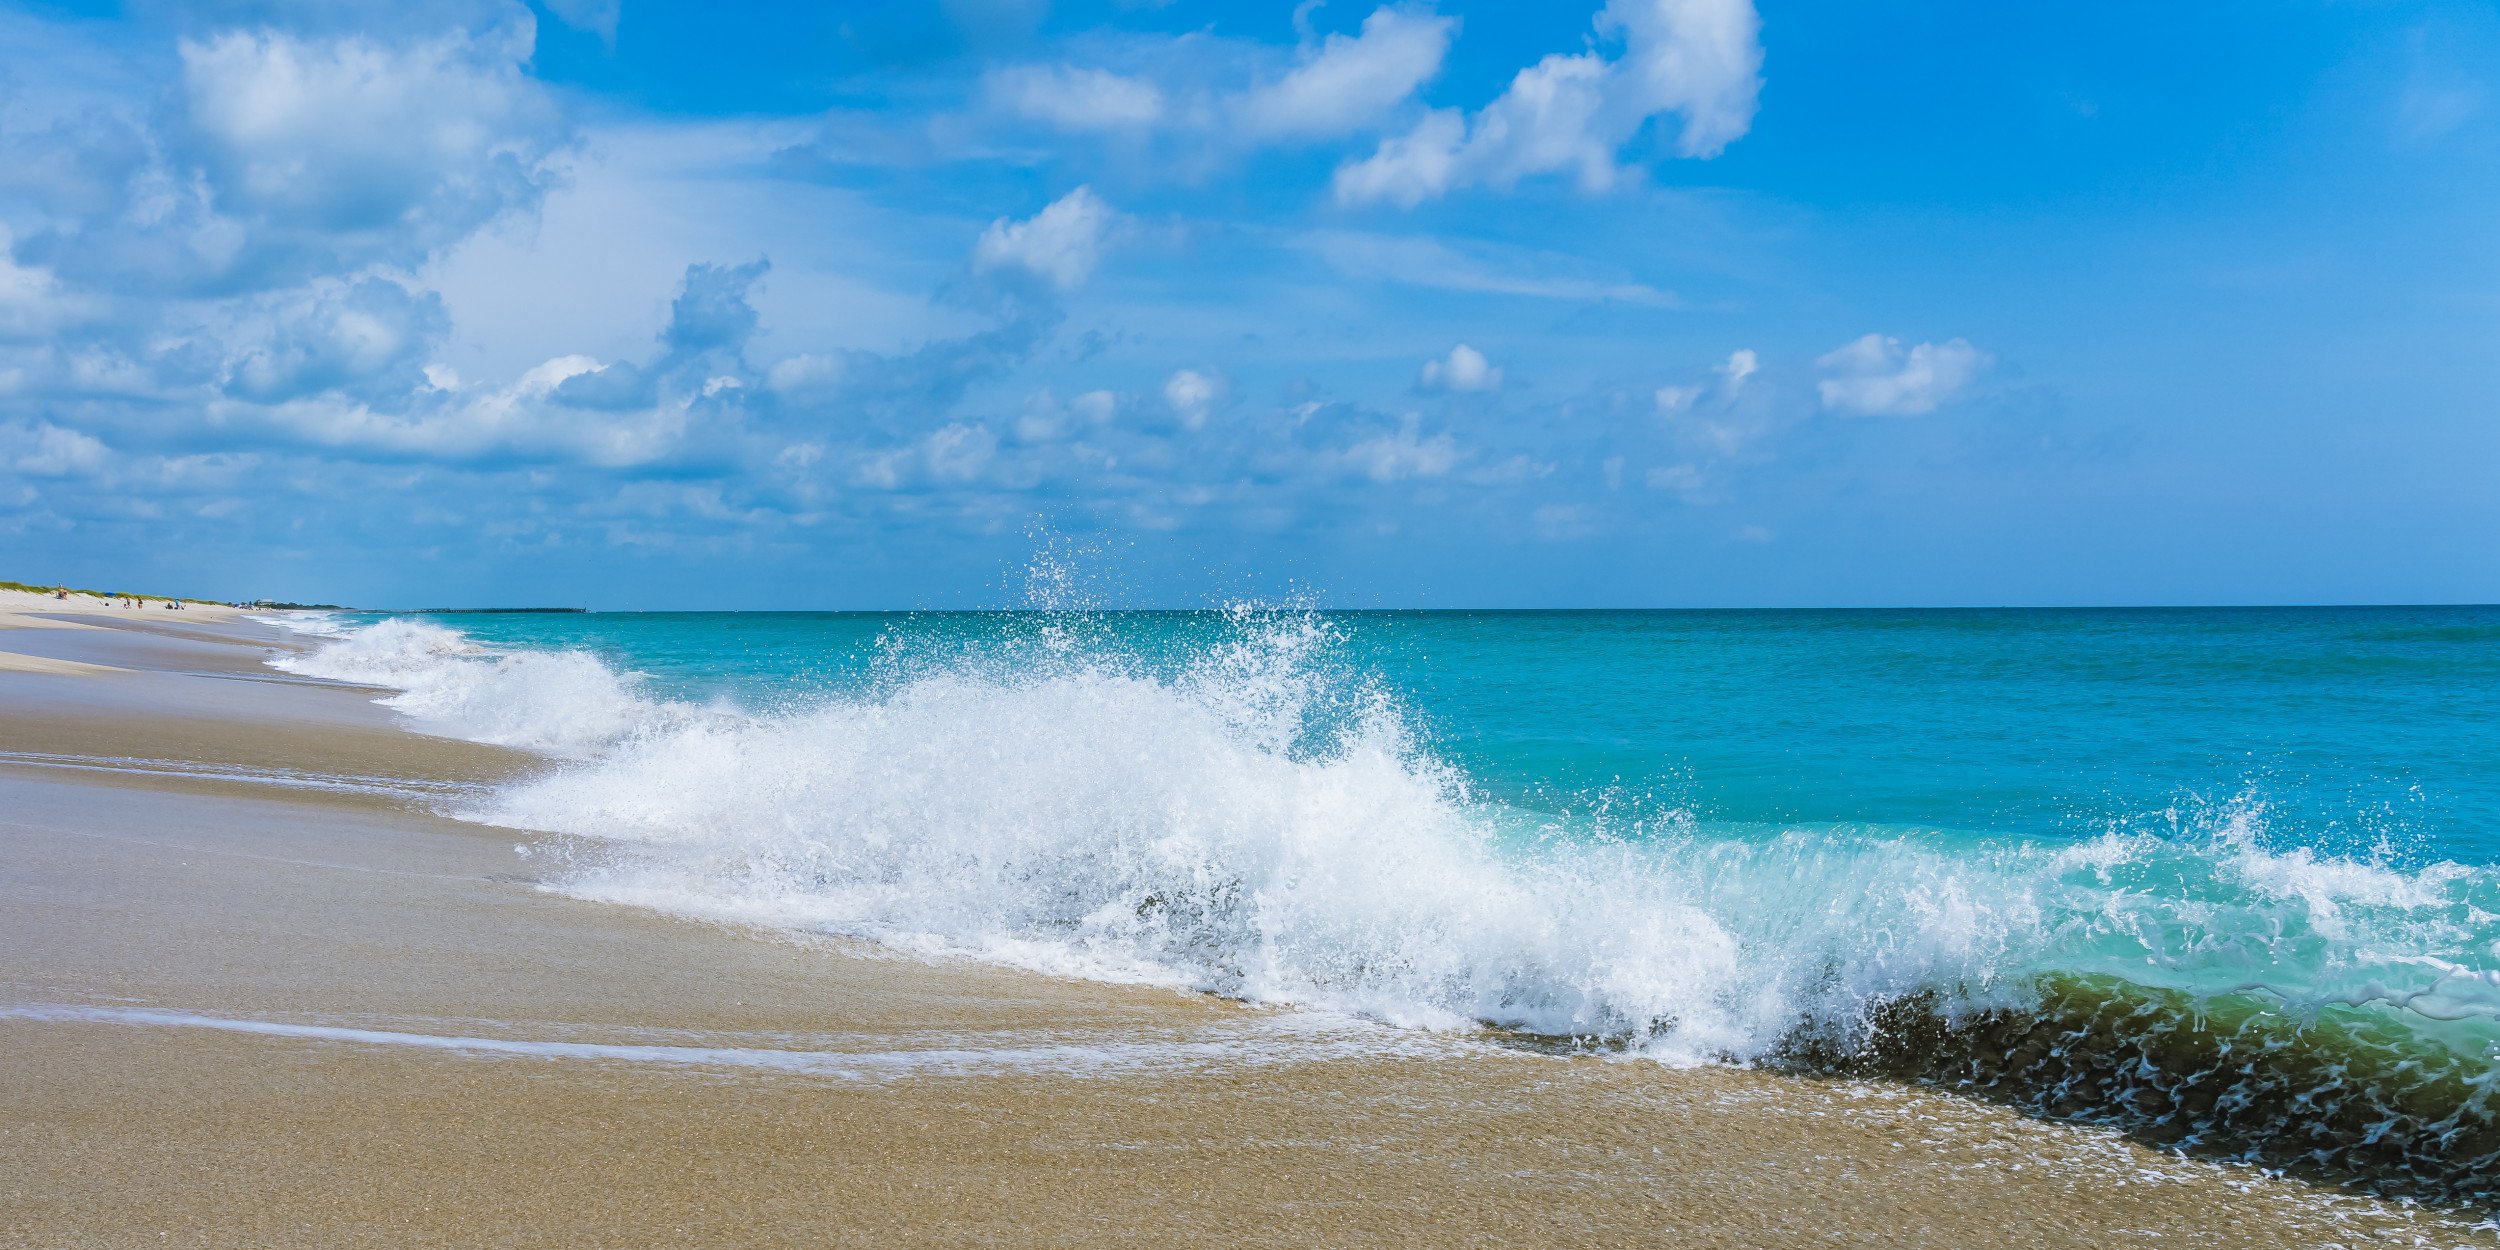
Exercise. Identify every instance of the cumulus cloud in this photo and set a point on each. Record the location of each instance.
(42, 449)
(1874, 376)
(31, 301)
(1348, 83)
(281, 157)
(371, 336)
(1097, 407)
(712, 311)
(960, 452)
(1044, 418)
(345, 368)
(1698, 59)
(1572, 114)
(1062, 243)
(1741, 364)
(424, 140)
(214, 298)
(1192, 396)
(1464, 369)
(1403, 454)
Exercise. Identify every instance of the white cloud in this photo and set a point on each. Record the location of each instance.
(1464, 369)
(1347, 84)
(47, 450)
(1061, 243)
(1700, 59)
(548, 375)
(1404, 454)
(1192, 395)
(348, 371)
(1571, 114)
(960, 452)
(1208, 92)
(1095, 406)
(1741, 364)
(1044, 418)
(372, 336)
(426, 139)
(30, 298)
(1551, 120)
(806, 374)
(1873, 376)
(1076, 98)
(1410, 168)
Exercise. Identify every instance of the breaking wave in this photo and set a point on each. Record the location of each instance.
(1249, 815)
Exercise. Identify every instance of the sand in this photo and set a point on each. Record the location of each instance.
(237, 942)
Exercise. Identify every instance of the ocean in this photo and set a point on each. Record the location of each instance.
(2226, 879)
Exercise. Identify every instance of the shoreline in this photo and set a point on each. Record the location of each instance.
(233, 968)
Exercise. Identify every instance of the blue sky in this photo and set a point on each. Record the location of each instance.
(1650, 302)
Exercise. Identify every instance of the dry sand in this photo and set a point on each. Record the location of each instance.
(191, 847)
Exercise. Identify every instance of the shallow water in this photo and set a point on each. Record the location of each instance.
(2223, 876)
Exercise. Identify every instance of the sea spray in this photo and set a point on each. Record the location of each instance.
(1247, 820)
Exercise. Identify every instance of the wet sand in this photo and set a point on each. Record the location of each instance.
(236, 947)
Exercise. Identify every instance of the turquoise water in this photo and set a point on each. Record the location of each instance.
(2224, 877)
(2366, 731)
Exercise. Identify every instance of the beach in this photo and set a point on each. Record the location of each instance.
(256, 990)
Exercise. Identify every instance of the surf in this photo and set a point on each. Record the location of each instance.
(1236, 805)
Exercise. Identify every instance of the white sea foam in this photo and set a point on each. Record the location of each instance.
(1252, 822)
(564, 702)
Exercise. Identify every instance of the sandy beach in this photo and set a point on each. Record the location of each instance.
(256, 991)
